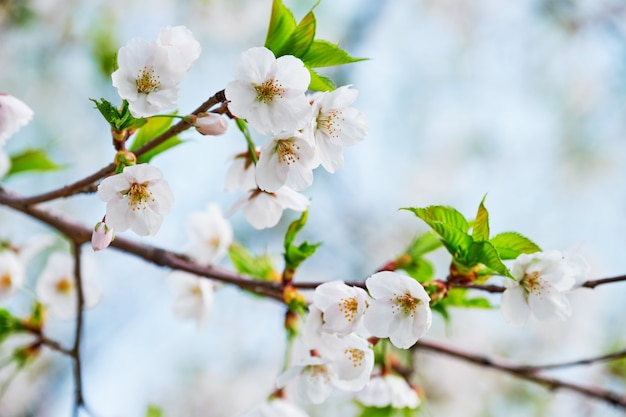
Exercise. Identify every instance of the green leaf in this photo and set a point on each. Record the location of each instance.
(326, 54)
(34, 159)
(320, 82)
(423, 244)
(282, 25)
(154, 127)
(257, 267)
(388, 411)
(510, 245)
(486, 254)
(118, 119)
(458, 297)
(300, 39)
(441, 214)
(295, 255)
(9, 324)
(420, 269)
(450, 225)
(480, 230)
(154, 411)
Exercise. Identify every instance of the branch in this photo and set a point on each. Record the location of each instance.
(86, 184)
(522, 372)
(78, 385)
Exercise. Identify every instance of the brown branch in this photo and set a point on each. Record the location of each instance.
(79, 234)
(521, 372)
(87, 184)
(588, 361)
(78, 384)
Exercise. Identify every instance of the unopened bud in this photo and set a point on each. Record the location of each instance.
(123, 159)
(211, 124)
(102, 236)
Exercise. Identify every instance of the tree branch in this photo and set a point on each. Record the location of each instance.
(79, 401)
(86, 184)
(522, 372)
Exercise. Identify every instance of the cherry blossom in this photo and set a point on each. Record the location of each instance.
(14, 114)
(269, 92)
(210, 124)
(12, 273)
(56, 286)
(263, 209)
(541, 282)
(335, 125)
(388, 390)
(342, 306)
(241, 174)
(343, 362)
(194, 296)
(211, 235)
(287, 159)
(275, 407)
(148, 73)
(179, 42)
(101, 237)
(137, 198)
(400, 310)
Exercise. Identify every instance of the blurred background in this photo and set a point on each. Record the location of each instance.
(522, 101)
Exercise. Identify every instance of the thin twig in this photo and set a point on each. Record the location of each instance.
(610, 397)
(78, 384)
(86, 184)
(587, 361)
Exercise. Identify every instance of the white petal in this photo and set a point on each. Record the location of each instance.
(514, 306)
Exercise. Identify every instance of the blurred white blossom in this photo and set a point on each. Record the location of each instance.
(12, 273)
(194, 296)
(211, 235)
(14, 114)
(240, 174)
(56, 286)
(262, 209)
(388, 390)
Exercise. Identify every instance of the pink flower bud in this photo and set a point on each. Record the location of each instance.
(101, 237)
(211, 124)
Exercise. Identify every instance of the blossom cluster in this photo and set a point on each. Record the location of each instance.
(306, 131)
(337, 353)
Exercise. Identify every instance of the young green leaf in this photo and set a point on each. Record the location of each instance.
(257, 267)
(154, 411)
(441, 214)
(458, 297)
(295, 255)
(300, 39)
(423, 244)
(32, 160)
(8, 324)
(485, 253)
(282, 25)
(480, 230)
(320, 82)
(118, 119)
(420, 269)
(510, 245)
(326, 54)
(154, 127)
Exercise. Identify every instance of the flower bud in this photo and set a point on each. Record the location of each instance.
(211, 124)
(101, 237)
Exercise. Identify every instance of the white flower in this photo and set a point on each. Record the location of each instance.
(389, 390)
(342, 306)
(182, 47)
(263, 209)
(211, 124)
(269, 92)
(137, 199)
(335, 125)
(211, 235)
(240, 174)
(275, 407)
(56, 286)
(343, 362)
(14, 114)
(400, 310)
(287, 159)
(542, 279)
(12, 273)
(194, 298)
(101, 237)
